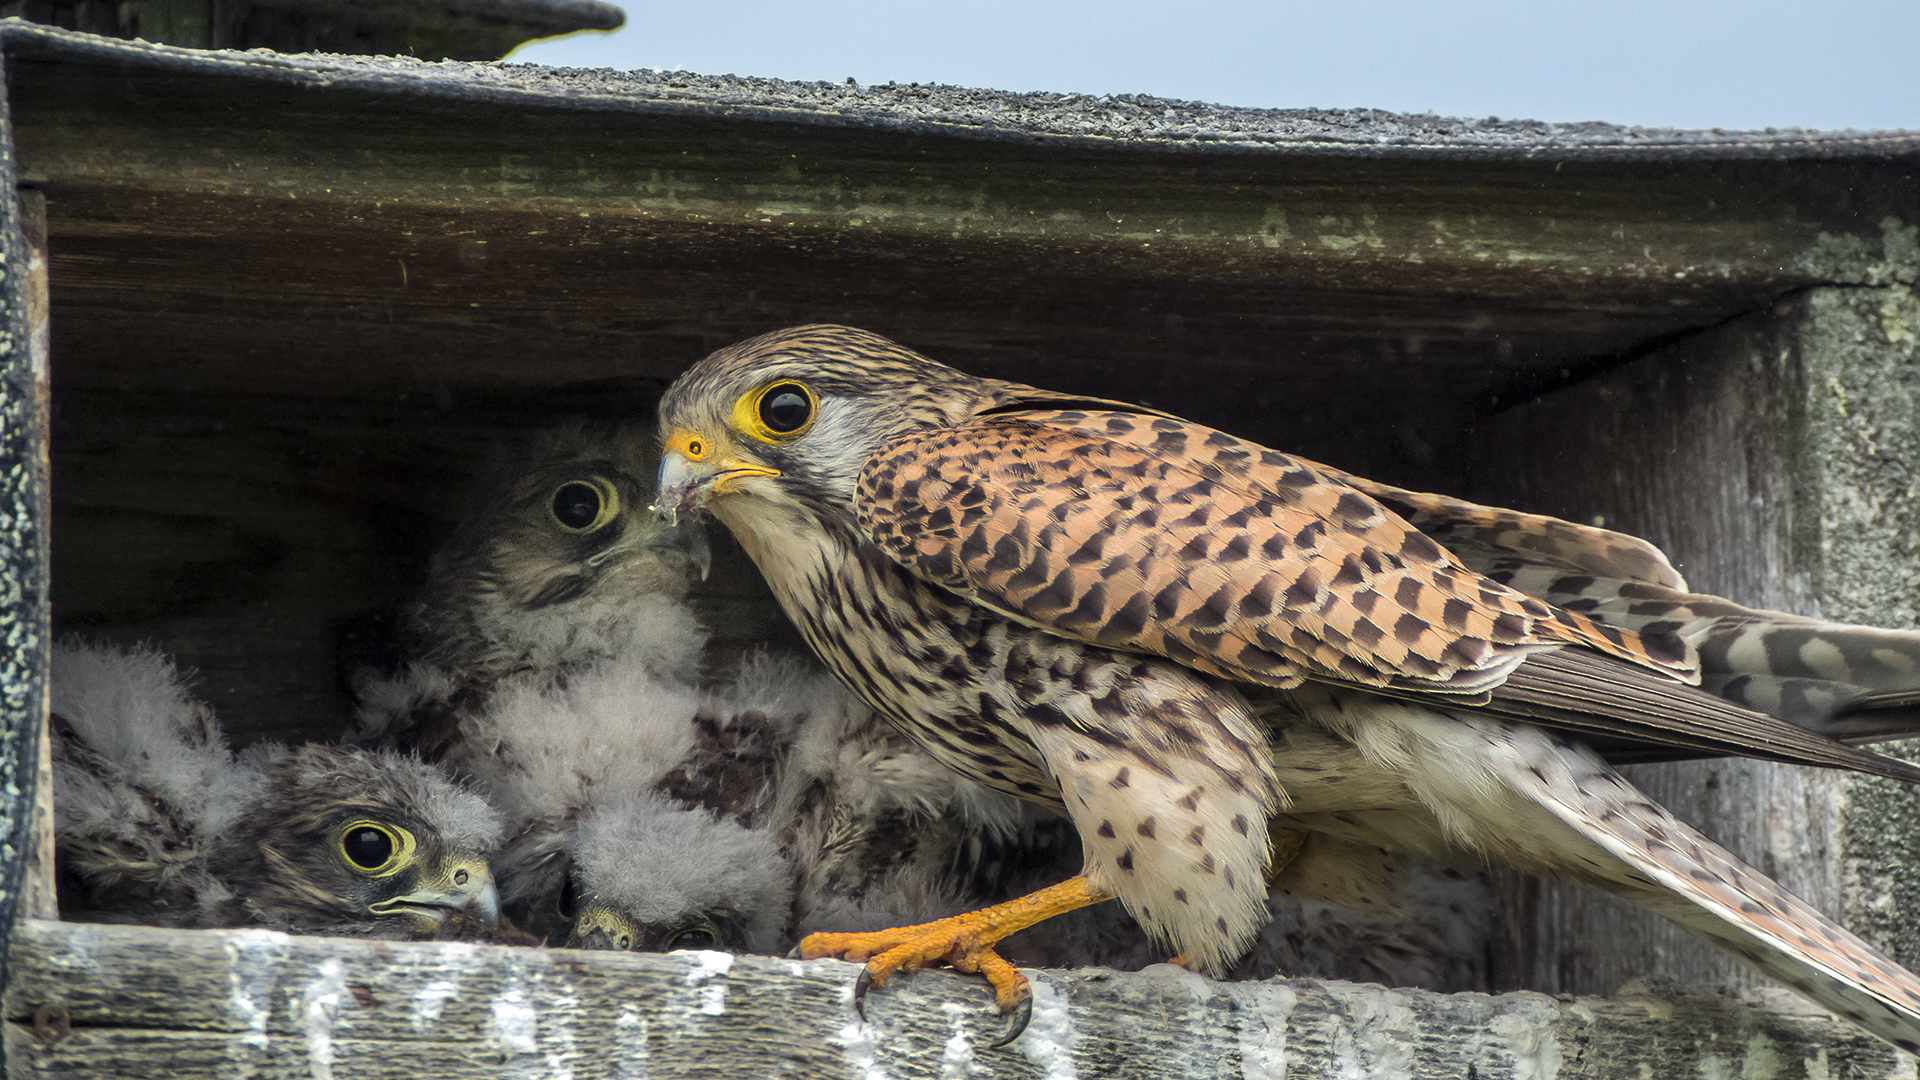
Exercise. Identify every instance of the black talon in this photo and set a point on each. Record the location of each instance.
(1017, 1020)
(860, 987)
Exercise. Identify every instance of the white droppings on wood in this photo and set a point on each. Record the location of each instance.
(708, 971)
(516, 1024)
(431, 999)
(318, 1002)
(956, 1062)
(1050, 1036)
(856, 1039)
(863, 1057)
(630, 1037)
(1386, 1032)
(77, 956)
(1263, 1019)
(1527, 1034)
(253, 959)
(1763, 1058)
(1196, 984)
(561, 1007)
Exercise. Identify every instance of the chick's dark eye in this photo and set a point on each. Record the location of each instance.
(785, 408)
(695, 937)
(568, 903)
(576, 505)
(368, 847)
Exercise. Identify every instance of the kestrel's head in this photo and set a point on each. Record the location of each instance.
(568, 521)
(330, 839)
(789, 417)
(651, 876)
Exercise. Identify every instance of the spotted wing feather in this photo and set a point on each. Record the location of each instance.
(1154, 534)
(1568, 548)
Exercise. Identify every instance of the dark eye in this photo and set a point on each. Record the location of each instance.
(367, 847)
(585, 505)
(569, 902)
(576, 505)
(693, 937)
(785, 408)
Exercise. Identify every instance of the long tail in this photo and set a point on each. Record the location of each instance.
(1679, 873)
(1553, 807)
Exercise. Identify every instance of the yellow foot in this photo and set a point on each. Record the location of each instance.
(962, 942)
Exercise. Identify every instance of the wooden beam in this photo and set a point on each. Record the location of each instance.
(139, 1002)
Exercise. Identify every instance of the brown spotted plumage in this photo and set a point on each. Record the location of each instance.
(1067, 599)
(1184, 541)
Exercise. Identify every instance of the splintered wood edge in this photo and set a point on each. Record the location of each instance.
(95, 1000)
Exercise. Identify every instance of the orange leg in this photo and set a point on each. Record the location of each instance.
(962, 942)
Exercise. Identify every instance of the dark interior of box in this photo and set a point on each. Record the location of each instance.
(270, 405)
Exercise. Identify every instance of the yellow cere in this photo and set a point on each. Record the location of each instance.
(689, 445)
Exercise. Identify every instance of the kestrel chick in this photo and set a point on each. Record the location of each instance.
(1060, 598)
(650, 810)
(157, 821)
(557, 566)
(650, 875)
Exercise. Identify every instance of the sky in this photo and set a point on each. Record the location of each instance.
(1661, 63)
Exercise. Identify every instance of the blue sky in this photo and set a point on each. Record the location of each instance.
(1680, 63)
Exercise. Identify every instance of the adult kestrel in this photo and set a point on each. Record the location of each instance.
(157, 821)
(1060, 596)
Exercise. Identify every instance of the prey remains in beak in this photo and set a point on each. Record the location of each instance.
(693, 469)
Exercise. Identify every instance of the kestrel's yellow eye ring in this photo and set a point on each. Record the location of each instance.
(375, 848)
(779, 411)
(582, 506)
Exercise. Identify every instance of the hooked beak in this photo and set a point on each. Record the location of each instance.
(466, 889)
(693, 469)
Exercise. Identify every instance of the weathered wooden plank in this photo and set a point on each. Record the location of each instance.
(24, 607)
(236, 1003)
(1529, 228)
(37, 885)
(477, 31)
(201, 213)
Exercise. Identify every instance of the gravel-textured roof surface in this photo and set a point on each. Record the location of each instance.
(1131, 121)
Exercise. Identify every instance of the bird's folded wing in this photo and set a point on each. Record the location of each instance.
(1153, 534)
(1563, 548)
(1150, 534)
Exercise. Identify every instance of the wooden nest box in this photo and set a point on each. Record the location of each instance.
(266, 314)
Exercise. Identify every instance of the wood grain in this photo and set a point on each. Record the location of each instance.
(216, 1004)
